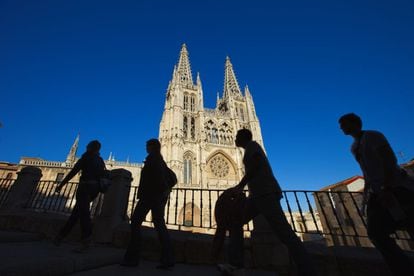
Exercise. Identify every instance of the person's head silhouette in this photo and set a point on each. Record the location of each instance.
(93, 146)
(243, 137)
(351, 124)
(153, 146)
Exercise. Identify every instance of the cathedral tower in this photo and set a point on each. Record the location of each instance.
(197, 142)
(71, 157)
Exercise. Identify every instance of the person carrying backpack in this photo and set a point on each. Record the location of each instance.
(153, 191)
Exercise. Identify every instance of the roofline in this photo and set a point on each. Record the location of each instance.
(342, 183)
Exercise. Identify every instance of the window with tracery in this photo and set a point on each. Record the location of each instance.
(192, 128)
(219, 166)
(185, 102)
(192, 106)
(222, 135)
(185, 127)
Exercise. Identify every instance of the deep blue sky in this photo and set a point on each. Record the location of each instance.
(101, 68)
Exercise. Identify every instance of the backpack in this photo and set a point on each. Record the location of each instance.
(171, 178)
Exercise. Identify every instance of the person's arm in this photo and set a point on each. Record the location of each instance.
(76, 168)
(252, 166)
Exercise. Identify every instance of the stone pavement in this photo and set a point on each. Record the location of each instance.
(29, 254)
(148, 269)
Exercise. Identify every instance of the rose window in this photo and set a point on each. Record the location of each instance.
(219, 166)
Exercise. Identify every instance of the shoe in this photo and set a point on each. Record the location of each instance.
(129, 263)
(165, 266)
(231, 270)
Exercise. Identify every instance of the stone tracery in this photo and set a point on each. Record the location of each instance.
(219, 166)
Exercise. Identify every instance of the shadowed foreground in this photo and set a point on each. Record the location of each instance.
(28, 254)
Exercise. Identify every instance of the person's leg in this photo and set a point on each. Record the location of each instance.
(167, 251)
(131, 256)
(236, 237)
(65, 230)
(270, 207)
(380, 225)
(85, 197)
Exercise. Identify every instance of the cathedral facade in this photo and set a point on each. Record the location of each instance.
(198, 142)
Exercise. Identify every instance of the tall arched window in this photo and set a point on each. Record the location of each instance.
(186, 102)
(188, 177)
(192, 128)
(192, 106)
(185, 127)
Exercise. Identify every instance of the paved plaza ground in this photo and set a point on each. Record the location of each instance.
(29, 254)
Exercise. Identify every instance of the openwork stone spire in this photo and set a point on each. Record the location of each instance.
(72, 153)
(231, 87)
(184, 68)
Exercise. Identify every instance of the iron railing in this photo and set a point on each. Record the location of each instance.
(186, 208)
(44, 199)
(331, 216)
(5, 185)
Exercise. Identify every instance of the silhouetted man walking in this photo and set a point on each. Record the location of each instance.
(264, 198)
(153, 194)
(388, 192)
(93, 168)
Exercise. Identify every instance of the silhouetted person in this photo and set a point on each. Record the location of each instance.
(152, 196)
(93, 168)
(388, 194)
(264, 198)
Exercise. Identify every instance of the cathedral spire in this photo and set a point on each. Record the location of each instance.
(72, 152)
(184, 68)
(231, 87)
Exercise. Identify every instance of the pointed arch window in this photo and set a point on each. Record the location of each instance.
(192, 104)
(185, 102)
(185, 127)
(192, 128)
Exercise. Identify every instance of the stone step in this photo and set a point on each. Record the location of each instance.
(149, 268)
(43, 258)
(9, 236)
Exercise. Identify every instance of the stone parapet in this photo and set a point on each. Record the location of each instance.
(21, 190)
(114, 205)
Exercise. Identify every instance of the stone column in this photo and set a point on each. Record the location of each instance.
(21, 190)
(114, 205)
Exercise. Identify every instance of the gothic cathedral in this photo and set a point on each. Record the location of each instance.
(197, 142)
